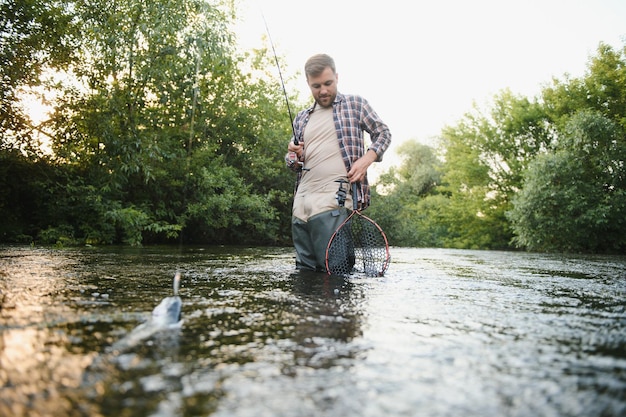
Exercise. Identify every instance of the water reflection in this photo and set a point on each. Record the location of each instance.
(329, 318)
(444, 332)
(39, 368)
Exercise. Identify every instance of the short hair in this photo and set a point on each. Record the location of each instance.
(317, 64)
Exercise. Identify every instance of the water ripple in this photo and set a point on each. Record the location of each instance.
(444, 333)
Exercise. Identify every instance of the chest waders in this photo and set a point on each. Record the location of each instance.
(311, 238)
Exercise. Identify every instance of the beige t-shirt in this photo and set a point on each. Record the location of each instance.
(323, 166)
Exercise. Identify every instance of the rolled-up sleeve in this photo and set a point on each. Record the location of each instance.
(379, 132)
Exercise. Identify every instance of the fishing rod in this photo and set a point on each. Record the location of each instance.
(282, 82)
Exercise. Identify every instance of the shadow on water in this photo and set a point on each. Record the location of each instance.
(444, 333)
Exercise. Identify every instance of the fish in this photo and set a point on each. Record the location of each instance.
(161, 327)
(166, 315)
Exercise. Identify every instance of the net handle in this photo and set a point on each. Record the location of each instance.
(355, 198)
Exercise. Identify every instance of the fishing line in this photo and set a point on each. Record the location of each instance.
(194, 102)
(282, 82)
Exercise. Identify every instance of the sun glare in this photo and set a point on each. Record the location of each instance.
(38, 112)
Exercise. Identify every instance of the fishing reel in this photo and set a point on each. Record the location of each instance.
(293, 162)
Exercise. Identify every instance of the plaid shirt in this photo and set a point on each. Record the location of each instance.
(352, 115)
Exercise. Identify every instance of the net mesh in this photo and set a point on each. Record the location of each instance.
(359, 245)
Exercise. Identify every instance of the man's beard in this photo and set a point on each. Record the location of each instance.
(326, 99)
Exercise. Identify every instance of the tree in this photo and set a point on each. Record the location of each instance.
(483, 156)
(472, 211)
(574, 199)
(35, 36)
(602, 88)
(399, 210)
(559, 157)
(161, 127)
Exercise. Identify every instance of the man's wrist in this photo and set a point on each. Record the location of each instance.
(372, 156)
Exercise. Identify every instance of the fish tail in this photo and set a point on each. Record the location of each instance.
(176, 282)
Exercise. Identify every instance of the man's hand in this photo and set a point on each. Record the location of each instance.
(359, 167)
(298, 149)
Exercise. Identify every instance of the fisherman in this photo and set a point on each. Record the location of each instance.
(329, 147)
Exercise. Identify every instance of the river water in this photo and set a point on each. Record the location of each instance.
(444, 333)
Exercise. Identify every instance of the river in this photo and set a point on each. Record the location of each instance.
(443, 333)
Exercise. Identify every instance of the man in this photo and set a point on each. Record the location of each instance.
(330, 148)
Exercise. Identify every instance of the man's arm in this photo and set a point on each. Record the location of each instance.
(379, 132)
(359, 167)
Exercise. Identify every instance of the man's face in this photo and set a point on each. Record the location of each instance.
(324, 87)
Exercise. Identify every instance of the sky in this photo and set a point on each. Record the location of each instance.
(423, 64)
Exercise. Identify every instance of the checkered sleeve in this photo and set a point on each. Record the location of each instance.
(379, 132)
(355, 116)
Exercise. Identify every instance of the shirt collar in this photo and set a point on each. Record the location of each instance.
(338, 98)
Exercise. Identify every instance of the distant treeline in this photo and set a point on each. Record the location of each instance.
(542, 174)
(161, 131)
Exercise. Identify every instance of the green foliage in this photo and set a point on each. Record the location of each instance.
(399, 210)
(460, 199)
(475, 187)
(131, 222)
(574, 199)
(35, 36)
(542, 174)
(227, 210)
(601, 89)
(573, 196)
(25, 195)
(159, 129)
(62, 235)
